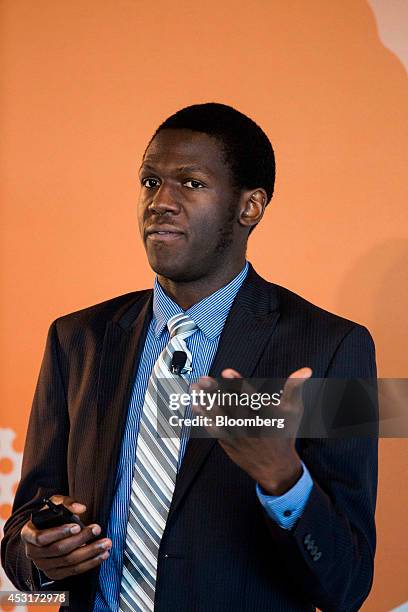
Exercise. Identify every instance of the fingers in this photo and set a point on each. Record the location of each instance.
(205, 382)
(72, 570)
(230, 373)
(68, 556)
(48, 537)
(208, 383)
(43, 537)
(212, 395)
(291, 404)
(77, 562)
(67, 549)
(60, 553)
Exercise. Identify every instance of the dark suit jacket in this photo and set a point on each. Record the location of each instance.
(220, 552)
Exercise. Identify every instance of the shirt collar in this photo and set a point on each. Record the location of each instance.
(209, 314)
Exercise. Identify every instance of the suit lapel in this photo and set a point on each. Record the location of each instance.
(122, 347)
(242, 341)
(248, 328)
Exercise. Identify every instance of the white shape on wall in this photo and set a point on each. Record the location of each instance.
(392, 19)
(6, 490)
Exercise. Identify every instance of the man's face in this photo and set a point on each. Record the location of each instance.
(188, 207)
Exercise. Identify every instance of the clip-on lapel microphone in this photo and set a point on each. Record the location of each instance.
(178, 362)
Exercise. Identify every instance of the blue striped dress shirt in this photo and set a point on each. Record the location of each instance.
(209, 315)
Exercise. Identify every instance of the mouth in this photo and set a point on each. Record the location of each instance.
(163, 234)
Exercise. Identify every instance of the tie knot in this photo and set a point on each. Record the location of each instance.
(181, 325)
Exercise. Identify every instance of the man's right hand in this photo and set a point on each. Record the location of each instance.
(63, 551)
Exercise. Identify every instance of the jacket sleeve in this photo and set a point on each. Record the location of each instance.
(44, 470)
(330, 551)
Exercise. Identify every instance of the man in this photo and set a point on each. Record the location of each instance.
(280, 524)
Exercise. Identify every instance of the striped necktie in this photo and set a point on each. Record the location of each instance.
(154, 475)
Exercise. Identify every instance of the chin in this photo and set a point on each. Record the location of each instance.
(175, 271)
(168, 269)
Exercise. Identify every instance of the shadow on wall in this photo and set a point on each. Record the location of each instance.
(339, 123)
(380, 280)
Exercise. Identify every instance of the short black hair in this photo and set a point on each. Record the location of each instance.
(247, 149)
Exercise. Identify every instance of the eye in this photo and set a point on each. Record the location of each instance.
(193, 184)
(150, 183)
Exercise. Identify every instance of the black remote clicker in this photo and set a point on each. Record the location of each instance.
(53, 516)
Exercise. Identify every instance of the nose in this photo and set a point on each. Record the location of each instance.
(164, 201)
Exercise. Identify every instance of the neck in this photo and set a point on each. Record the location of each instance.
(188, 293)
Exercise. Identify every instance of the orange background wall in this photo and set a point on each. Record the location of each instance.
(85, 83)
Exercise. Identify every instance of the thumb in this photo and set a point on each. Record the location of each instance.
(295, 381)
(303, 373)
(69, 502)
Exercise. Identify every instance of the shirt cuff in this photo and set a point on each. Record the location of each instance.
(286, 509)
(43, 579)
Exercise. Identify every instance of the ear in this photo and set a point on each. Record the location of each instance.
(252, 207)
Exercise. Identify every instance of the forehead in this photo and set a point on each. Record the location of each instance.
(173, 148)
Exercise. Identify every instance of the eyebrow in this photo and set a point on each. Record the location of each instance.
(184, 168)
